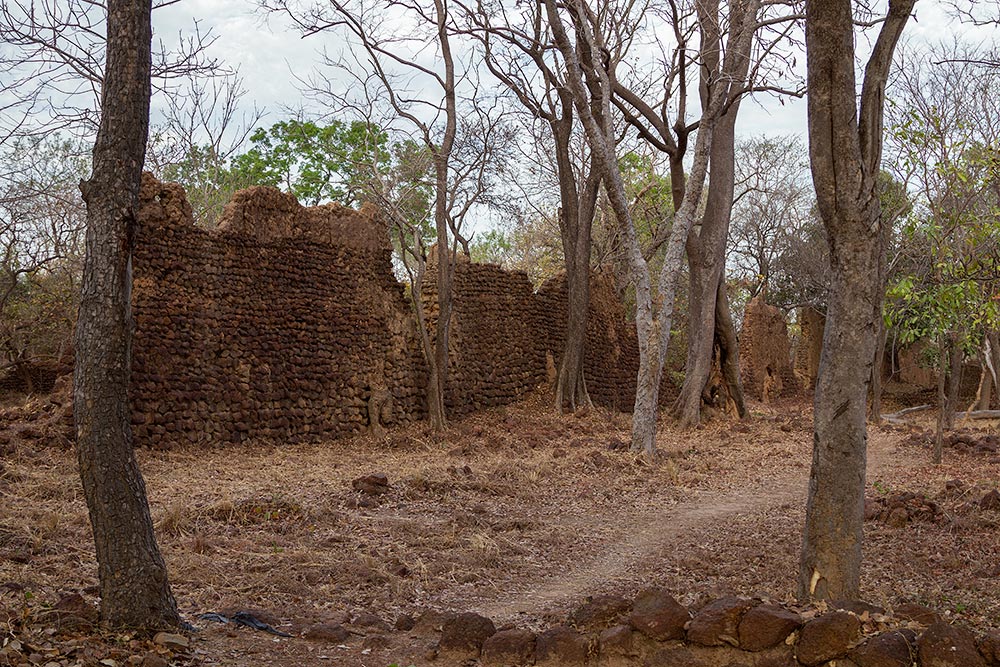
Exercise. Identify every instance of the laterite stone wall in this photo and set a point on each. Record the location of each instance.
(287, 323)
(279, 324)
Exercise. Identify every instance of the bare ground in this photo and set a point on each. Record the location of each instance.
(516, 513)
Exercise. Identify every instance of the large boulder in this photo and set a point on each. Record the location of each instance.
(717, 623)
(462, 636)
(943, 645)
(827, 637)
(656, 614)
(767, 625)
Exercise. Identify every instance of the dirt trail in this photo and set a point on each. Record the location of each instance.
(642, 538)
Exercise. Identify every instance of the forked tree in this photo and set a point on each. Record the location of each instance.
(584, 52)
(133, 577)
(845, 152)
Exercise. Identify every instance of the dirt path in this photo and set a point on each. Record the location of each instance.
(641, 539)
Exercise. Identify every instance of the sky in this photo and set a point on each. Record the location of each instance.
(270, 54)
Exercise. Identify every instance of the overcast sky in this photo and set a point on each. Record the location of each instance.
(270, 54)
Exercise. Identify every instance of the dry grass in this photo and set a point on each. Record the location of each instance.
(516, 511)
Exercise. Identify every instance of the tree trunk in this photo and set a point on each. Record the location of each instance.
(575, 224)
(985, 390)
(729, 348)
(845, 153)
(445, 254)
(955, 358)
(706, 252)
(942, 401)
(133, 577)
(876, 409)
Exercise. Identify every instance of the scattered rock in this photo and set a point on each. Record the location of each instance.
(897, 518)
(989, 647)
(73, 612)
(767, 625)
(918, 613)
(509, 647)
(943, 645)
(372, 485)
(718, 622)
(561, 646)
(172, 641)
(827, 637)
(656, 614)
(405, 622)
(892, 649)
(368, 621)
(991, 501)
(327, 632)
(617, 642)
(463, 635)
(599, 612)
(152, 659)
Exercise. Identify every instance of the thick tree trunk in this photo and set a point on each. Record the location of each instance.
(845, 155)
(133, 577)
(955, 358)
(729, 349)
(575, 222)
(875, 414)
(706, 252)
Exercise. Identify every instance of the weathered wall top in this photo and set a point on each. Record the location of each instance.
(267, 215)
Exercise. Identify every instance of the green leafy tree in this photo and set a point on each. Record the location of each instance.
(316, 163)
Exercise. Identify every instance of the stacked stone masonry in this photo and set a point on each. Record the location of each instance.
(765, 353)
(654, 630)
(287, 323)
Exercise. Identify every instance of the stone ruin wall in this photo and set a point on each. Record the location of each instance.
(765, 353)
(287, 323)
(279, 324)
(611, 354)
(810, 347)
(495, 353)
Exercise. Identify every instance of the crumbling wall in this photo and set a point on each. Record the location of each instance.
(495, 353)
(810, 347)
(765, 353)
(611, 351)
(280, 324)
(287, 323)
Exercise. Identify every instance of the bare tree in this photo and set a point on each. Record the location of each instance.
(41, 250)
(203, 127)
(133, 577)
(457, 129)
(55, 59)
(845, 150)
(590, 81)
(660, 118)
(516, 47)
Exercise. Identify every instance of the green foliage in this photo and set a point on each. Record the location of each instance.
(316, 163)
(948, 286)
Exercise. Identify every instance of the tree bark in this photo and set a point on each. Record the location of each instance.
(845, 154)
(942, 397)
(955, 358)
(706, 251)
(438, 377)
(576, 223)
(729, 349)
(875, 414)
(133, 577)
